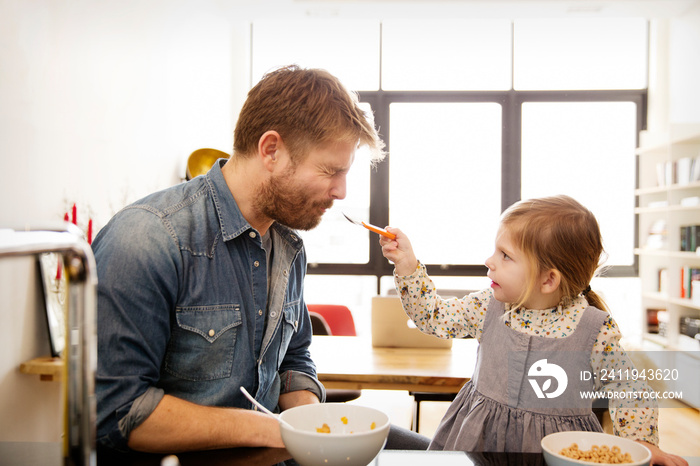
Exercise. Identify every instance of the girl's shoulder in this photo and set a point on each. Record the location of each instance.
(600, 314)
(603, 323)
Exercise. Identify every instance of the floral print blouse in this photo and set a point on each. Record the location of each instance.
(462, 317)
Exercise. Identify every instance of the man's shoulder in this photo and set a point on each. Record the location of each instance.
(166, 213)
(171, 199)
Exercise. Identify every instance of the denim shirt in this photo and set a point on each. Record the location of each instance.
(183, 308)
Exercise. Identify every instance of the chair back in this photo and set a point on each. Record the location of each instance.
(338, 317)
(319, 325)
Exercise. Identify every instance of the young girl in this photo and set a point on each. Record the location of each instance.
(538, 318)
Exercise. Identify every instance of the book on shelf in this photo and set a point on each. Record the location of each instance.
(682, 171)
(663, 319)
(654, 317)
(690, 238)
(690, 281)
(663, 280)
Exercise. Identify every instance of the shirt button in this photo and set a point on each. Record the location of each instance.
(256, 263)
(273, 314)
(252, 234)
(212, 333)
(259, 312)
(285, 273)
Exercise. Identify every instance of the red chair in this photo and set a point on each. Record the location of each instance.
(332, 319)
(338, 317)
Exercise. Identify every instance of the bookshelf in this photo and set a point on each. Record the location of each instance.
(668, 200)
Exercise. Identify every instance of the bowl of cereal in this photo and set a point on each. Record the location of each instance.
(334, 433)
(576, 448)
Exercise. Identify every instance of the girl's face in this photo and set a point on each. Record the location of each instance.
(508, 269)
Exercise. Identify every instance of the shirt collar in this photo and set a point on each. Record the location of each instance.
(232, 222)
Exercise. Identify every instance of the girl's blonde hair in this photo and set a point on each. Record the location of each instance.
(557, 233)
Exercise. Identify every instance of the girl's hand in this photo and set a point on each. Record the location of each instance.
(399, 251)
(659, 457)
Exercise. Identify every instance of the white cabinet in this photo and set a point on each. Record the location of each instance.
(690, 379)
(668, 201)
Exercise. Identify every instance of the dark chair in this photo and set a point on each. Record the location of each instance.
(331, 319)
(319, 326)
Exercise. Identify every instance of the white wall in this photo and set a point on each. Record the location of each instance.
(101, 102)
(684, 68)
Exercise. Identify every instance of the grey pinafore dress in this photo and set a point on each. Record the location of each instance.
(518, 394)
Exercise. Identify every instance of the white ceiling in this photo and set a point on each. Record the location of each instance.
(388, 9)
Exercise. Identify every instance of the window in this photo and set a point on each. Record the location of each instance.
(445, 178)
(600, 137)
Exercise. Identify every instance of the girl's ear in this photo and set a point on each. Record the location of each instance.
(550, 281)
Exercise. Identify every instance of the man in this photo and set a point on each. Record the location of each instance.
(201, 285)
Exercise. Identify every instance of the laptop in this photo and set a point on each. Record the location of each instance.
(391, 327)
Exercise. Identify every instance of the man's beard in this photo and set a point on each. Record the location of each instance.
(288, 203)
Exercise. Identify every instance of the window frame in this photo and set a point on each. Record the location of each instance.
(511, 102)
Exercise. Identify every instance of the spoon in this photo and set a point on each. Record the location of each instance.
(371, 227)
(264, 409)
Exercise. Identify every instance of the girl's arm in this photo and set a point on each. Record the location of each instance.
(610, 362)
(636, 419)
(444, 318)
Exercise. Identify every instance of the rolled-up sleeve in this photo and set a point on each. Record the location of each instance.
(136, 290)
(293, 381)
(141, 408)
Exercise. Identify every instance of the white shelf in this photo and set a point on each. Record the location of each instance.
(687, 255)
(662, 210)
(679, 134)
(671, 187)
(681, 141)
(685, 344)
(664, 298)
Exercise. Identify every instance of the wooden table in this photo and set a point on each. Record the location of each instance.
(352, 363)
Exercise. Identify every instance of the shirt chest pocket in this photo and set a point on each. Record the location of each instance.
(202, 342)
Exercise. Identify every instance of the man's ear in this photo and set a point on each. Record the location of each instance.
(269, 145)
(550, 281)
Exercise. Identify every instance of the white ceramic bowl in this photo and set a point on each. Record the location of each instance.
(354, 443)
(552, 444)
